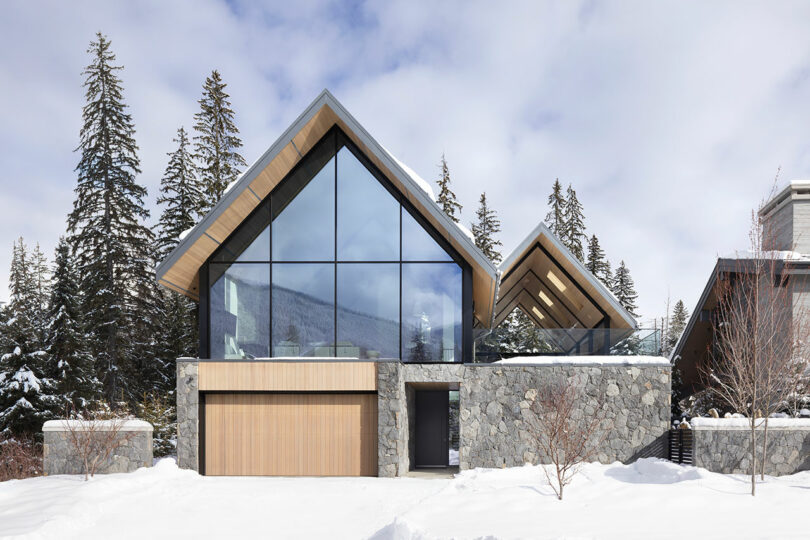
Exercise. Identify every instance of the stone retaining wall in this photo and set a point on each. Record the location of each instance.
(725, 446)
(60, 456)
(188, 414)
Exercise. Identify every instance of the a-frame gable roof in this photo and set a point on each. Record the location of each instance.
(179, 271)
(545, 279)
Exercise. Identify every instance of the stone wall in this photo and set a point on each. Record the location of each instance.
(134, 439)
(724, 446)
(493, 406)
(496, 402)
(188, 412)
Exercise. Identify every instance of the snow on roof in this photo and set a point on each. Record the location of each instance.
(767, 255)
(744, 423)
(467, 232)
(98, 425)
(586, 360)
(418, 180)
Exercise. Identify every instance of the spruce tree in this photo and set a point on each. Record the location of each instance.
(677, 324)
(607, 275)
(217, 141)
(596, 262)
(624, 289)
(574, 225)
(447, 199)
(26, 394)
(182, 202)
(70, 361)
(555, 219)
(181, 197)
(485, 229)
(107, 234)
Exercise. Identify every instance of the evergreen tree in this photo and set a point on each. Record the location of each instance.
(555, 219)
(574, 225)
(70, 361)
(596, 262)
(26, 394)
(183, 202)
(217, 143)
(484, 231)
(447, 199)
(607, 275)
(677, 324)
(624, 289)
(110, 242)
(181, 196)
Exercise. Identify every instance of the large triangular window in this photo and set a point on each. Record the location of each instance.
(335, 264)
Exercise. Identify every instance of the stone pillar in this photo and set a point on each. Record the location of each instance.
(188, 414)
(392, 423)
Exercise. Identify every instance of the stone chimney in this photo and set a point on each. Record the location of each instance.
(786, 219)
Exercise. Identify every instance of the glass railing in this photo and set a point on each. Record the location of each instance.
(506, 343)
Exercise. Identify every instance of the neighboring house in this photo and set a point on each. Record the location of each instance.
(339, 308)
(786, 224)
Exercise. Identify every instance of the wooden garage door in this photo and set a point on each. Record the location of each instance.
(291, 434)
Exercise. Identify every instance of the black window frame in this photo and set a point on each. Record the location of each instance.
(339, 139)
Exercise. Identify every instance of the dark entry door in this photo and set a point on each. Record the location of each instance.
(431, 428)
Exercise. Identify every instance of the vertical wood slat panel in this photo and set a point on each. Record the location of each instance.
(291, 434)
(293, 376)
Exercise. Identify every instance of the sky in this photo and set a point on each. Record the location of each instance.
(669, 119)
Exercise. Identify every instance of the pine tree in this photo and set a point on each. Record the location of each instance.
(677, 324)
(70, 361)
(485, 229)
(596, 262)
(110, 242)
(574, 224)
(181, 196)
(217, 143)
(26, 394)
(447, 199)
(624, 289)
(555, 219)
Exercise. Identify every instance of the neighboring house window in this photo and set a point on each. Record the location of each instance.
(333, 264)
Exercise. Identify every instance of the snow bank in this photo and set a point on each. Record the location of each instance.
(586, 360)
(609, 502)
(100, 425)
(744, 423)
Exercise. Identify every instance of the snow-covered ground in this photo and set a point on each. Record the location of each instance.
(649, 499)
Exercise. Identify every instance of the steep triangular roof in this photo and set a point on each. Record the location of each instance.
(553, 287)
(179, 271)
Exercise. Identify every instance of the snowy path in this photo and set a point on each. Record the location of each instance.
(650, 499)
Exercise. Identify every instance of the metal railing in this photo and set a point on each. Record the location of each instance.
(506, 343)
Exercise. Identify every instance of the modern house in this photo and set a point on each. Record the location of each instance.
(339, 311)
(786, 229)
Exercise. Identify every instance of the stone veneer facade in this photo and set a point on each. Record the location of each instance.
(134, 451)
(494, 406)
(728, 449)
(188, 414)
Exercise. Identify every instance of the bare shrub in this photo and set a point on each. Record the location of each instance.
(20, 457)
(564, 435)
(94, 436)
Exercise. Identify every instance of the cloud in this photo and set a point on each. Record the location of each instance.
(670, 119)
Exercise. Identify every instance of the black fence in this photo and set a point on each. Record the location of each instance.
(680, 446)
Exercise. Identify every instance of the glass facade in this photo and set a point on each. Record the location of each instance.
(332, 264)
